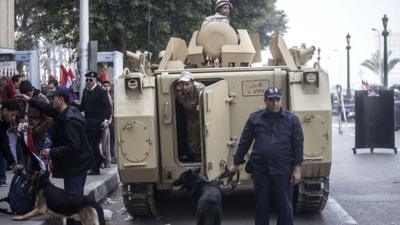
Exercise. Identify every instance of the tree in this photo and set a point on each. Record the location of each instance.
(375, 64)
(275, 24)
(138, 24)
(25, 29)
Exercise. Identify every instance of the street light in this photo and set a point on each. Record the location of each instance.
(385, 33)
(348, 47)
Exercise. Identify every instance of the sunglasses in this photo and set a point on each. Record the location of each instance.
(89, 80)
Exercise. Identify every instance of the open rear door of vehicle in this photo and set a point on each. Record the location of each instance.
(215, 127)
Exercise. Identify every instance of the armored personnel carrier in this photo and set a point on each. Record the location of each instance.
(150, 157)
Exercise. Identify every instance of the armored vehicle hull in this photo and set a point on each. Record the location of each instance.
(148, 130)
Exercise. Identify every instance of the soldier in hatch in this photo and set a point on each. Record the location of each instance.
(187, 99)
(222, 10)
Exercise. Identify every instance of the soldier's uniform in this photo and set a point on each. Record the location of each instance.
(190, 101)
(218, 17)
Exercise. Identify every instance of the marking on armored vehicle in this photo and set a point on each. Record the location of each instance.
(254, 87)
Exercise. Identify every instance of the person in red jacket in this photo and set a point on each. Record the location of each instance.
(9, 87)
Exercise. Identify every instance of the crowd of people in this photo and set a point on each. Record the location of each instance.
(48, 129)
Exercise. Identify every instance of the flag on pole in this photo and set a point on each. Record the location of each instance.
(70, 77)
(66, 77)
(63, 76)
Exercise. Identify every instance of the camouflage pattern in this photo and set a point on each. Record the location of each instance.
(190, 102)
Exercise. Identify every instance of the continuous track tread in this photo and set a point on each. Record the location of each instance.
(139, 200)
(313, 195)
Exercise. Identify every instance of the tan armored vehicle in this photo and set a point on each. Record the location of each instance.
(150, 157)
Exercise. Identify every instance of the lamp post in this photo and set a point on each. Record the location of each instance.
(385, 33)
(348, 47)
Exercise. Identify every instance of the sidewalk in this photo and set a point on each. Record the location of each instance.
(96, 186)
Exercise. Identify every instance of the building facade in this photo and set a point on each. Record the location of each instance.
(7, 24)
(7, 35)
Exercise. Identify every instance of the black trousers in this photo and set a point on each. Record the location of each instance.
(75, 184)
(93, 131)
(280, 188)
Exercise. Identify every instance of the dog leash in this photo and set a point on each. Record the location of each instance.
(230, 184)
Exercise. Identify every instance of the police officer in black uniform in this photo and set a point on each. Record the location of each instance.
(276, 157)
(97, 109)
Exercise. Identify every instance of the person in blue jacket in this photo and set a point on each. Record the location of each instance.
(276, 158)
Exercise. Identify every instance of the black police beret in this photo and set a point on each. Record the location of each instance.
(91, 74)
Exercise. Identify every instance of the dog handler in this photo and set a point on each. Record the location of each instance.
(276, 157)
(71, 154)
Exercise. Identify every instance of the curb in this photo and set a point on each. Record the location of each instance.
(101, 190)
(97, 187)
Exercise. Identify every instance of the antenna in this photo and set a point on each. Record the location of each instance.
(148, 26)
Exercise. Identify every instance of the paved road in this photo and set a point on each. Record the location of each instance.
(365, 190)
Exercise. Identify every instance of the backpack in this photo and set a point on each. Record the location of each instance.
(21, 196)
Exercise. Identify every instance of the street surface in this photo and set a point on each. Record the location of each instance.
(364, 189)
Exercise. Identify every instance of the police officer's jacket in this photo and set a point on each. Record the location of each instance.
(95, 104)
(278, 142)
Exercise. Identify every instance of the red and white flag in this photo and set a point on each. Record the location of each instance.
(32, 149)
(66, 77)
(365, 86)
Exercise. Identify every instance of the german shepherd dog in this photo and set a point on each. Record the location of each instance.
(206, 197)
(60, 203)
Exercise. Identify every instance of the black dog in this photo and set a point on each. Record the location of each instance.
(63, 204)
(206, 195)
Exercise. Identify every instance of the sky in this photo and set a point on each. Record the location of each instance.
(325, 24)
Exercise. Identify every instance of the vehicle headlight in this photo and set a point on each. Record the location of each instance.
(311, 78)
(133, 84)
(310, 82)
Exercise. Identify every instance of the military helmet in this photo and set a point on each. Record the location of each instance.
(220, 3)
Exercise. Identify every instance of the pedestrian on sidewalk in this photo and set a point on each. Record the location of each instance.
(33, 126)
(70, 154)
(106, 144)
(9, 110)
(9, 87)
